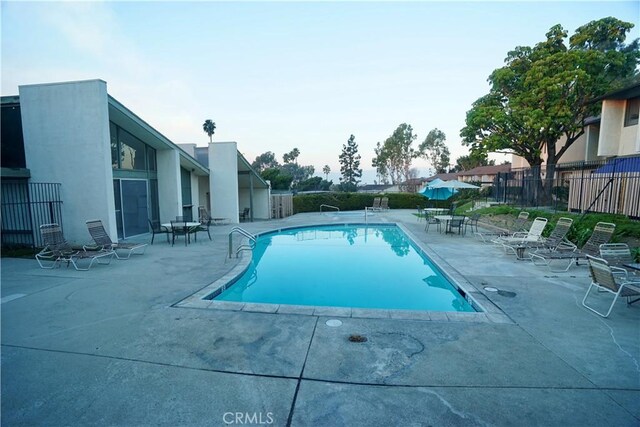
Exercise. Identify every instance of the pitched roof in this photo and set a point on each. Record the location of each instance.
(443, 176)
(486, 170)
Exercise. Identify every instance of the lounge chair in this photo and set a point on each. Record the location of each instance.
(102, 240)
(384, 204)
(57, 250)
(157, 228)
(518, 225)
(602, 233)
(376, 204)
(617, 256)
(602, 277)
(534, 235)
(555, 239)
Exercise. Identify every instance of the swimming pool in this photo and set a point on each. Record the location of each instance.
(363, 266)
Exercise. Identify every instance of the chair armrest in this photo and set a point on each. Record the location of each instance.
(520, 234)
(619, 271)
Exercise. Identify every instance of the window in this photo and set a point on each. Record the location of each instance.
(631, 115)
(132, 154)
(113, 131)
(12, 140)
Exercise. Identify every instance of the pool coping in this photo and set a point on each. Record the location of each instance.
(488, 312)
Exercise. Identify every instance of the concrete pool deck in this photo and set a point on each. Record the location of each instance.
(111, 346)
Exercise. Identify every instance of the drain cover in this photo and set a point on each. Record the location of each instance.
(357, 338)
(490, 289)
(508, 294)
(334, 323)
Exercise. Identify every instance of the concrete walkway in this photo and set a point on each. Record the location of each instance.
(111, 347)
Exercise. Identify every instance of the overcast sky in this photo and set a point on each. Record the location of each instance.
(276, 75)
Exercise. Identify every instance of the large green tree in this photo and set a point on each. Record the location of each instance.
(435, 151)
(539, 100)
(265, 161)
(393, 158)
(350, 165)
(472, 160)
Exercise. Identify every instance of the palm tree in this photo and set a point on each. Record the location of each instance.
(209, 127)
(326, 169)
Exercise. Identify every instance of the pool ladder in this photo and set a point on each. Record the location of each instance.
(244, 247)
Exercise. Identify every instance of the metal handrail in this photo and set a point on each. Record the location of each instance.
(329, 206)
(245, 233)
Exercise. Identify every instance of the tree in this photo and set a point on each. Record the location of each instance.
(434, 150)
(472, 160)
(315, 183)
(291, 157)
(380, 163)
(326, 170)
(209, 127)
(350, 165)
(393, 157)
(265, 161)
(279, 180)
(545, 93)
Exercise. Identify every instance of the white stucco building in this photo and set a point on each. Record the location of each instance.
(114, 166)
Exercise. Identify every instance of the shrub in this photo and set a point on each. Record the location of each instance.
(357, 201)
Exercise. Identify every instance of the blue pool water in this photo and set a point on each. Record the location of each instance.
(375, 266)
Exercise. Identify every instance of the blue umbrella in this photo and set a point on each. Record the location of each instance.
(437, 193)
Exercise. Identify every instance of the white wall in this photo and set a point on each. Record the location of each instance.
(223, 180)
(169, 190)
(261, 203)
(611, 123)
(66, 140)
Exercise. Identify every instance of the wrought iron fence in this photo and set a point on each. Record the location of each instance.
(611, 186)
(25, 207)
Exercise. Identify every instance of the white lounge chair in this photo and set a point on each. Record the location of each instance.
(102, 240)
(602, 233)
(57, 250)
(602, 277)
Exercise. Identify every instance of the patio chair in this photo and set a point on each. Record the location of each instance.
(205, 221)
(471, 221)
(430, 219)
(58, 250)
(181, 228)
(456, 221)
(602, 233)
(376, 204)
(534, 235)
(157, 228)
(555, 239)
(102, 240)
(518, 225)
(617, 255)
(602, 278)
(244, 215)
(384, 204)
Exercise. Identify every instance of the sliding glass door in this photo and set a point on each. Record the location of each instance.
(132, 206)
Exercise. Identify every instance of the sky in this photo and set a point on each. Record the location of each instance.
(279, 75)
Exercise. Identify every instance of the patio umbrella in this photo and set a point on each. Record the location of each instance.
(453, 185)
(433, 192)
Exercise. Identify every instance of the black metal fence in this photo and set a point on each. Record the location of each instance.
(25, 207)
(611, 186)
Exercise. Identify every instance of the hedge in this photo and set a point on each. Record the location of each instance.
(358, 201)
